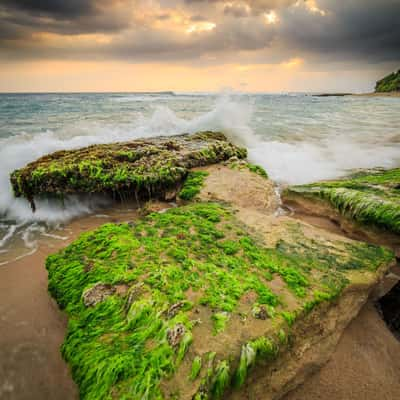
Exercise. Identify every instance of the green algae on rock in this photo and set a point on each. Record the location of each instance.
(192, 185)
(371, 198)
(176, 317)
(237, 164)
(143, 168)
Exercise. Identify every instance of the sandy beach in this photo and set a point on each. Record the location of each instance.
(365, 365)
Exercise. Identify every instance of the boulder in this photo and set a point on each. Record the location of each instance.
(145, 168)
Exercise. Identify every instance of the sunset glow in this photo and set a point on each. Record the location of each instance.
(163, 38)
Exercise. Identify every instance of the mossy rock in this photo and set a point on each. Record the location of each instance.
(194, 299)
(390, 83)
(142, 168)
(370, 198)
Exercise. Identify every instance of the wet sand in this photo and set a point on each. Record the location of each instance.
(31, 332)
(32, 327)
(366, 364)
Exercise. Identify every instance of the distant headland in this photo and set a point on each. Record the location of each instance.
(389, 84)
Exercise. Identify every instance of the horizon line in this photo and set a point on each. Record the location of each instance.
(174, 93)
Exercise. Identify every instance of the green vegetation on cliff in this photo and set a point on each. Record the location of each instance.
(148, 301)
(144, 168)
(390, 83)
(371, 198)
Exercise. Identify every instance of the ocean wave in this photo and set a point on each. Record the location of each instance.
(301, 151)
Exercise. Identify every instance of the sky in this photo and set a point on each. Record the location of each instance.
(197, 45)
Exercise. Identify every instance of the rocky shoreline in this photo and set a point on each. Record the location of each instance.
(217, 297)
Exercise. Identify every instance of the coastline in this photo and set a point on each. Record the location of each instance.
(377, 94)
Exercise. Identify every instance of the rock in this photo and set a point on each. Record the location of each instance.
(260, 312)
(97, 293)
(370, 199)
(134, 293)
(147, 168)
(175, 335)
(389, 306)
(224, 256)
(174, 309)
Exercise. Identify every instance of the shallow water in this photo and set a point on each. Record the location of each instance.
(296, 137)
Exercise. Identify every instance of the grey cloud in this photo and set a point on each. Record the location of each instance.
(63, 9)
(236, 10)
(363, 30)
(230, 36)
(145, 44)
(21, 18)
(355, 30)
(255, 6)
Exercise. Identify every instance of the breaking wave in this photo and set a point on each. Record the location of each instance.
(291, 146)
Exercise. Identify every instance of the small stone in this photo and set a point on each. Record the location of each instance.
(260, 312)
(97, 293)
(170, 195)
(174, 335)
(174, 309)
(133, 293)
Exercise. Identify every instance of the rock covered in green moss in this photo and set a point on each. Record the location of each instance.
(237, 164)
(390, 83)
(142, 168)
(193, 299)
(370, 198)
(192, 185)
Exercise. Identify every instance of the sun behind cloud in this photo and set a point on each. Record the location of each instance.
(199, 37)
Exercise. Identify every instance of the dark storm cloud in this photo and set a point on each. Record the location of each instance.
(19, 18)
(63, 9)
(363, 30)
(354, 30)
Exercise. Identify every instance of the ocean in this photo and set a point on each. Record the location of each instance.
(297, 138)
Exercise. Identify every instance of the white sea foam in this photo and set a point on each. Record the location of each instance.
(309, 147)
(15, 152)
(296, 163)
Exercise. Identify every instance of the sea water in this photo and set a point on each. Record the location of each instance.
(297, 138)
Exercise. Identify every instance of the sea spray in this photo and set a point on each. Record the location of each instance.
(297, 138)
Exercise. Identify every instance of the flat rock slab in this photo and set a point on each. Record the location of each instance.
(219, 300)
(143, 168)
(370, 198)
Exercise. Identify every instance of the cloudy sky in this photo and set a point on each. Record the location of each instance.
(197, 45)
